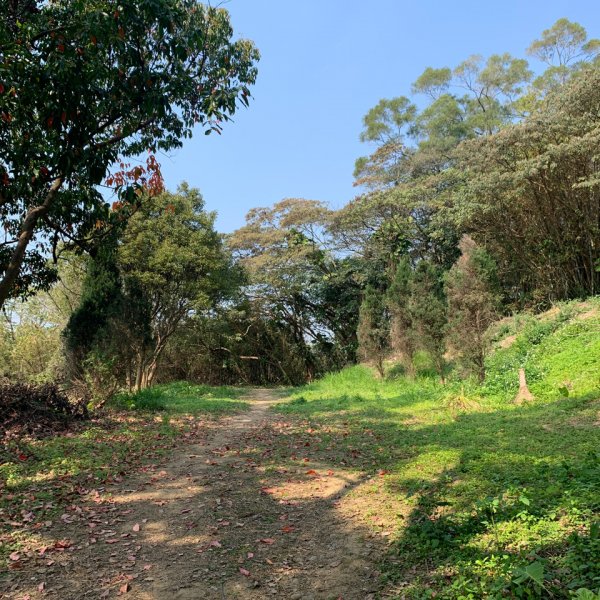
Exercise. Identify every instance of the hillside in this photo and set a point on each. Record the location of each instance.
(480, 498)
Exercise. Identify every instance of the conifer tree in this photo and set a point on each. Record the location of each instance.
(373, 328)
(402, 335)
(473, 305)
(428, 313)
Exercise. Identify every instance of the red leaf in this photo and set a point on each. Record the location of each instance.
(311, 472)
(15, 556)
(244, 572)
(287, 528)
(124, 588)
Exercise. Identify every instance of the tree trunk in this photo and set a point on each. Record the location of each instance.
(27, 231)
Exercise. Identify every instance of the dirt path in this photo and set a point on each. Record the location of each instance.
(226, 518)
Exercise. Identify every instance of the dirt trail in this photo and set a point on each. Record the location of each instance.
(222, 519)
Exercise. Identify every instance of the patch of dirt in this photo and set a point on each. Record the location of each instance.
(508, 341)
(214, 522)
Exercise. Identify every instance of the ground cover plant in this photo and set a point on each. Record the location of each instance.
(495, 500)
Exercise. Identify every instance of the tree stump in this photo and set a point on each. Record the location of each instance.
(523, 395)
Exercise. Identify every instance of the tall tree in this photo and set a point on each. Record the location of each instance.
(530, 195)
(428, 313)
(402, 334)
(374, 329)
(473, 305)
(85, 84)
(172, 258)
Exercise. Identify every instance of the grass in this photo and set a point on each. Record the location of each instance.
(184, 398)
(498, 501)
(39, 477)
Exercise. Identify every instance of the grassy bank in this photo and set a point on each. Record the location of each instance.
(496, 500)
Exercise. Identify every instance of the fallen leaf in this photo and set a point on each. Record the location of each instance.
(267, 540)
(15, 556)
(136, 527)
(244, 572)
(287, 528)
(124, 588)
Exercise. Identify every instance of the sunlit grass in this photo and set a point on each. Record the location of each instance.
(501, 499)
(184, 398)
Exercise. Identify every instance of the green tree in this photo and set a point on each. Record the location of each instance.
(85, 84)
(171, 258)
(428, 313)
(374, 329)
(402, 334)
(564, 48)
(473, 305)
(529, 195)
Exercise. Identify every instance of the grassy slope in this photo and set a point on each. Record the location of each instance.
(498, 500)
(38, 477)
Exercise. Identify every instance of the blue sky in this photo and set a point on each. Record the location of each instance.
(324, 64)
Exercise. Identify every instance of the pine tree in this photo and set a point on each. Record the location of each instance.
(428, 313)
(473, 305)
(402, 335)
(373, 328)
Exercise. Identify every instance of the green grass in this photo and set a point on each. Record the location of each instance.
(42, 476)
(184, 398)
(499, 501)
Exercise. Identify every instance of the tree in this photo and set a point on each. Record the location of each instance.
(173, 259)
(530, 195)
(30, 332)
(428, 313)
(85, 84)
(564, 47)
(473, 305)
(296, 279)
(373, 329)
(402, 335)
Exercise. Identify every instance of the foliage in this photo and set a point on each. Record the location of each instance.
(402, 334)
(489, 500)
(86, 84)
(428, 313)
(373, 329)
(473, 305)
(172, 256)
(540, 175)
(304, 294)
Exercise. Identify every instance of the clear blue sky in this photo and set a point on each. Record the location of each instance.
(324, 64)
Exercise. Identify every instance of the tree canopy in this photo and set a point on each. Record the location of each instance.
(86, 85)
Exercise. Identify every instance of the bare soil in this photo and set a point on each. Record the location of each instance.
(222, 519)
